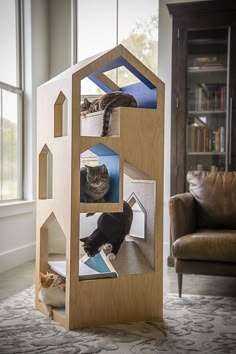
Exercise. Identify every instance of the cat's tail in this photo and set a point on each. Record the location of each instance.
(108, 110)
(106, 117)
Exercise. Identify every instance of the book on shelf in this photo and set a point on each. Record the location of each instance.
(206, 139)
(222, 138)
(200, 138)
(207, 97)
(96, 267)
(211, 62)
(205, 61)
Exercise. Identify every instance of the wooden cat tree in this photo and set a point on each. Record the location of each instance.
(138, 142)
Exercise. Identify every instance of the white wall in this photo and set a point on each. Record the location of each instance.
(17, 234)
(17, 220)
(164, 72)
(60, 36)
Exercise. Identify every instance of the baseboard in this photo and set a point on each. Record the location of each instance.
(17, 256)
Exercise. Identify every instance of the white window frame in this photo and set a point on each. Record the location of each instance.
(18, 90)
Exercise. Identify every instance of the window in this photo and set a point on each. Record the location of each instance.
(11, 101)
(105, 23)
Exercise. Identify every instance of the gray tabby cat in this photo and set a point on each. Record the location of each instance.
(94, 183)
(107, 102)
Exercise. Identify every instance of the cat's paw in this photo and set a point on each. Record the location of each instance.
(111, 256)
(107, 247)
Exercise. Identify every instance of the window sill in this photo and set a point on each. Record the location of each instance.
(17, 208)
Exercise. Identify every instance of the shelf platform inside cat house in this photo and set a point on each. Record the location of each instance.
(130, 150)
(118, 88)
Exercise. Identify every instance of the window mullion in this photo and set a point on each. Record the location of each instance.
(1, 144)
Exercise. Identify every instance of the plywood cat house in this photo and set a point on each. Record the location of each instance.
(138, 142)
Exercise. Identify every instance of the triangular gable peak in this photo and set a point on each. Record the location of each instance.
(145, 91)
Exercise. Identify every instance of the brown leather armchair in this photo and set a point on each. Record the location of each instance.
(203, 225)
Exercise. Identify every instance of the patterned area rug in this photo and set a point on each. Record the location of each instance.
(193, 324)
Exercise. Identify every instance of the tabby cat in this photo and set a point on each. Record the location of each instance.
(52, 292)
(110, 232)
(94, 183)
(107, 102)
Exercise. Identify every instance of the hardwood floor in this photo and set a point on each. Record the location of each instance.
(23, 276)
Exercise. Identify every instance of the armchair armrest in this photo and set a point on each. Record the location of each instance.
(182, 215)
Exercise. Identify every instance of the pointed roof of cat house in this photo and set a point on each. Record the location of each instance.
(94, 68)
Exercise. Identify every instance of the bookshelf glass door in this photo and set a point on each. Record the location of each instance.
(207, 82)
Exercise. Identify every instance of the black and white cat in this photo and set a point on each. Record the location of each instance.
(107, 102)
(111, 231)
(94, 183)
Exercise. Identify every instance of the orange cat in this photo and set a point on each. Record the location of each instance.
(52, 292)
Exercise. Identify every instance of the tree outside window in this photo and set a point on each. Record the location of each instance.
(106, 23)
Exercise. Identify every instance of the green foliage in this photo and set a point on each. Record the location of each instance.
(8, 141)
(141, 42)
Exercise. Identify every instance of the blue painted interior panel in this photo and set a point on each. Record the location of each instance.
(102, 150)
(97, 263)
(144, 91)
(113, 166)
(145, 97)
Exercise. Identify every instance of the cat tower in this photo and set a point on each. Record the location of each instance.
(134, 147)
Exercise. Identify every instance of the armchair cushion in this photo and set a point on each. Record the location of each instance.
(207, 245)
(215, 196)
(182, 215)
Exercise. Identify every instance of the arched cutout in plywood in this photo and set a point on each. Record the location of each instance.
(139, 224)
(52, 242)
(60, 115)
(52, 248)
(45, 173)
(99, 155)
(137, 253)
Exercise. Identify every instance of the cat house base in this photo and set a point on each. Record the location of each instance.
(135, 143)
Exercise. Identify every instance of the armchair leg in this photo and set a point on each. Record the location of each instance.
(180, 282)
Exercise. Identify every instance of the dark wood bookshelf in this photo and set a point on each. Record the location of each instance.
(203, 53)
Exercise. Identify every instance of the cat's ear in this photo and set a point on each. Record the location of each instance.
(41, 276)
(84, 239)
(103, 168)
(86, 101)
